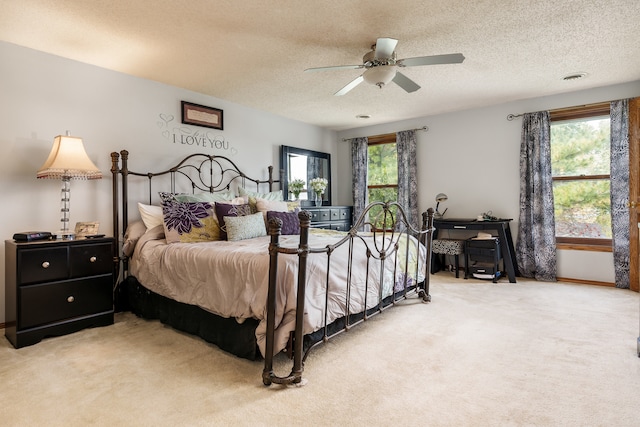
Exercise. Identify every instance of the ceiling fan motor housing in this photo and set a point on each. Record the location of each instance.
(379, 71)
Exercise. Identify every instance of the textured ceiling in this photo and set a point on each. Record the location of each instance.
(253, 52)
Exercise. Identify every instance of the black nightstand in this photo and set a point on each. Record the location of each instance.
(57, 287)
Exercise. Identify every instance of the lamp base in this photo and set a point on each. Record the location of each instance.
(65, 235)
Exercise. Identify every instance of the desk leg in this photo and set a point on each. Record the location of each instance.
(506, 246)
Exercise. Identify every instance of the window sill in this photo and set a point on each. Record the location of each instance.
(583, 247)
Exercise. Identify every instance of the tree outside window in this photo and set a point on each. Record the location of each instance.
(382, 175)
(580, 156)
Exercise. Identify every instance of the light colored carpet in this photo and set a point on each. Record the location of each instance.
(480, 354)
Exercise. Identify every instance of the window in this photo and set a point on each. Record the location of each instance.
(580, 154)
(382, 172)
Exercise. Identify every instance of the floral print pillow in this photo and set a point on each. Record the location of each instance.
(190, 222)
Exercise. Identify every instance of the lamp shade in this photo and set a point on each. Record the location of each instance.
(441, 197)
(68, 159)
(380, 75)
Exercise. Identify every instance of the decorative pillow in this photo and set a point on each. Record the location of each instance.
(293, 206)
(190, 222)
(290, 221)
(151, 215)
(134, 232)
(253, 195)
(228, 209)
(245, 227)
(264, 205)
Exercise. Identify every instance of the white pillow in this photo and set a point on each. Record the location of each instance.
(265, 205)
(273, 195)
(221, 196)
(245, 227)
(151, 215)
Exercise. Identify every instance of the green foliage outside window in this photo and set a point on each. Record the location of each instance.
(382, 176)
(582, 206)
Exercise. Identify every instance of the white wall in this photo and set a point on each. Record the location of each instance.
(44, 95)
(473, 157)
(470, 155)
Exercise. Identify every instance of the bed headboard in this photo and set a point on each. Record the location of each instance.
(195, 173)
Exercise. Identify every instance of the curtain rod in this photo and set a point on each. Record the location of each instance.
(510, 117)
(424, 128)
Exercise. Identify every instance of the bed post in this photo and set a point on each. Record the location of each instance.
(114, 190)
(303, 253)
(427, 235)
(124, 171)
(275, 226)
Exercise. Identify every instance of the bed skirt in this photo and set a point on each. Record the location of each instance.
(236, 338)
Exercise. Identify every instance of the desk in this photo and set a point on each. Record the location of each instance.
(504, 235)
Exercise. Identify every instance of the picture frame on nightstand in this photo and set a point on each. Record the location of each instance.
(84, 229)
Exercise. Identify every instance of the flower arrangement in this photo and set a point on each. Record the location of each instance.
(319, 185)
(296, 186)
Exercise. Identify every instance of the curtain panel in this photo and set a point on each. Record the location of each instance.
(536, 242)
(408, 175)
(359, 159)
(620, 190)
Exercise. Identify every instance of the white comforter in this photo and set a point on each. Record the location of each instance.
(231, 279)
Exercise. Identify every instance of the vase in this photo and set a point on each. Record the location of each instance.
(318, 199)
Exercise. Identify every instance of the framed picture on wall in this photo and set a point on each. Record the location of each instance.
(200, 115)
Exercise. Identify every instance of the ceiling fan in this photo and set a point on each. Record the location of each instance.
(380, 66)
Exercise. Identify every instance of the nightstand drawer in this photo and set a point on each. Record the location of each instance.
(51, 302)
(43, 265)
(91, 259)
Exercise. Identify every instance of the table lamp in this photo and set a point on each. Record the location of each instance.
(67, 160)
(440, 197)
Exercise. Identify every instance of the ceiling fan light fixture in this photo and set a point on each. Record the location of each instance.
(380, 75)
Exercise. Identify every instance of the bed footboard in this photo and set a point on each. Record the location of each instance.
(387, 255)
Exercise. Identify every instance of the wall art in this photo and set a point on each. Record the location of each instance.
(199, 115)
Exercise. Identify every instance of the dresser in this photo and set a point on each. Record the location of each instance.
(331, 217)
(57, 287)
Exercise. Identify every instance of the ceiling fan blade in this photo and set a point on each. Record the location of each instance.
(385, 47)
(336, 67)
(405, 82)
(350, 86)
(452, 58)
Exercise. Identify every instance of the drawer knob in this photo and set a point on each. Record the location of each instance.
(70, 298)
(93, 259)
(45, 264)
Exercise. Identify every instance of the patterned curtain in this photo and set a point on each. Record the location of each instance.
(620, 190)
(359, 148)
(408, 175)
(536, 243)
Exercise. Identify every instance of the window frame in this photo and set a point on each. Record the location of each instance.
(591, 111)
(389, 138)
